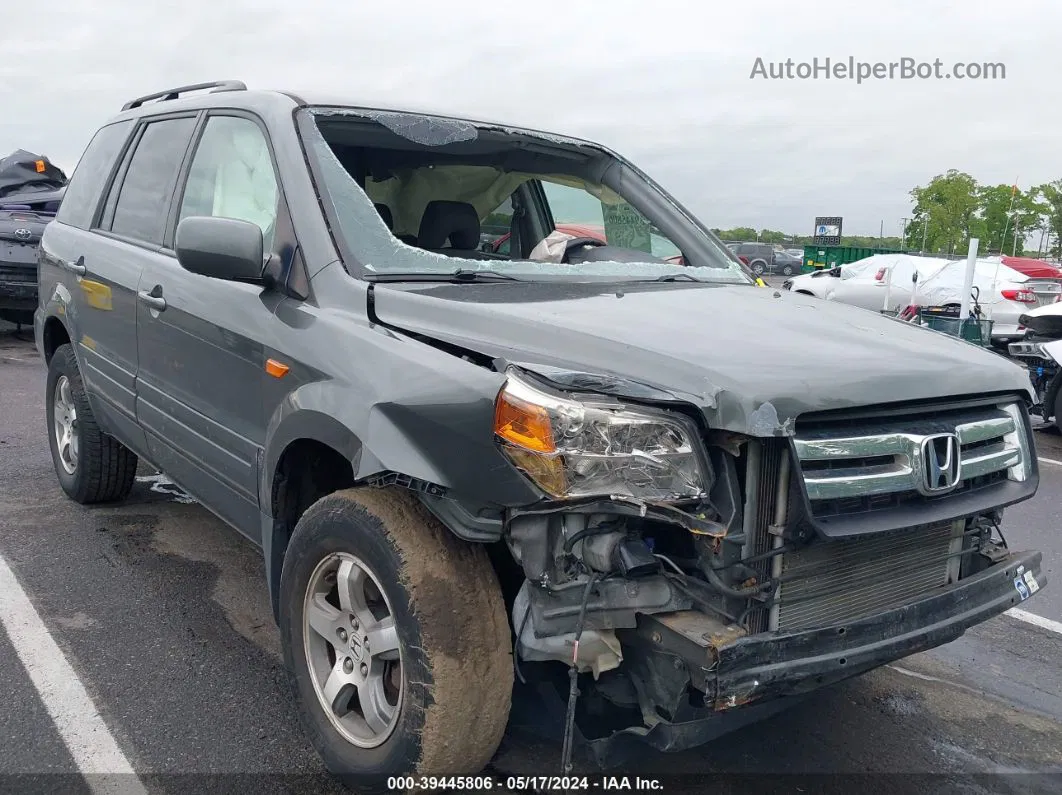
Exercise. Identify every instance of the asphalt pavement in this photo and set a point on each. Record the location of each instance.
(167, 660)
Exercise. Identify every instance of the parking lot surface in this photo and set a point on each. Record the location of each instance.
(161, 620)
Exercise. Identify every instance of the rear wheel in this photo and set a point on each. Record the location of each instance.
(788, 270)
(396, 638)
(91, 466)
(759, 267)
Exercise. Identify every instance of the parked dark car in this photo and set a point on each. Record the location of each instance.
(760, 256)
(31, 188)
(449, 455)
(785, 264)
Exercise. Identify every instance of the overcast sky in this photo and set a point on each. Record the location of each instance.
(666, 83)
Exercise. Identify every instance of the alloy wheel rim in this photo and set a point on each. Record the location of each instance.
(352, 650)
(64, 425)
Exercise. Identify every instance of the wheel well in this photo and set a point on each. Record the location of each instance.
(804, 292)
(55, 334)
(307, 471)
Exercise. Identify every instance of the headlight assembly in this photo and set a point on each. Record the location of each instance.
(592, 446)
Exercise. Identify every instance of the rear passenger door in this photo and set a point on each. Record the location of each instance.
(199, 390)
(100, 267)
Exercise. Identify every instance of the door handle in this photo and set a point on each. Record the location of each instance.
(75, 267)
(153, 299)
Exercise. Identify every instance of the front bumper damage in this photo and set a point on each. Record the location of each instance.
(745, 678)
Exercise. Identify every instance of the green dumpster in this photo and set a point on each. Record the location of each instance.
(819, 257)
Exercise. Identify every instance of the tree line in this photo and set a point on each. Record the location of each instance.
(950, 210)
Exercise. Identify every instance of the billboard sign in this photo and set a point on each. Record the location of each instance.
(827, 230)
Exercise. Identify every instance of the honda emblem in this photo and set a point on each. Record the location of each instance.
(941, 463)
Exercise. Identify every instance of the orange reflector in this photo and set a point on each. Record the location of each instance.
(40, 166)
(276, 369)
(523, 424)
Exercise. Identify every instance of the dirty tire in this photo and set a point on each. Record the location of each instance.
(106, 469)
(452, 628)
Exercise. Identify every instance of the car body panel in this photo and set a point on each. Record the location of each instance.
(584, 326)
(199, 384)
(102, 300)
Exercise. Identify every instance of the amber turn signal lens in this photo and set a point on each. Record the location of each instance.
(523, 424)
(275, 368)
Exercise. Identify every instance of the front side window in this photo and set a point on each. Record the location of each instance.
(232, 176)
(577, 212)
(144, 197)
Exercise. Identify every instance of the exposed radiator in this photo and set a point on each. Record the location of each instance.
(827, 583)
(762, 474)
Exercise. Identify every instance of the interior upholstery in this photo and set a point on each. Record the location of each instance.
(385, 213)
(457, 222)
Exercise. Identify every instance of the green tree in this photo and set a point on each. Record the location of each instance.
(950, 205)
(1004, 218)
(1050, 204)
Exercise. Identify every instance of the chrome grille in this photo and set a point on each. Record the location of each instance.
(831, 582)
(875, 465)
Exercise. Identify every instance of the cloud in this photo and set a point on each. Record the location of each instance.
(666, 83)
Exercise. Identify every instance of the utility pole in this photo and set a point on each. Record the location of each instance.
(925, 227)
(903, 233)
(881, 233)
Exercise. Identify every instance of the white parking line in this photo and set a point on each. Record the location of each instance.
(97, 755)
(1035, 620)
(1049, 461)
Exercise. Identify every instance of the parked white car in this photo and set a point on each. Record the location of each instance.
(884, 281)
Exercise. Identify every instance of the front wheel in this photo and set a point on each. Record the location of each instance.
(396, 639)
(92, 466)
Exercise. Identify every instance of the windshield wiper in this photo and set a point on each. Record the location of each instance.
(675, 277)
(461, 275)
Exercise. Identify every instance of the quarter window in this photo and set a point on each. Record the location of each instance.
(82, 195)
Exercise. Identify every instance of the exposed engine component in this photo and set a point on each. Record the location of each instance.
(598, 649)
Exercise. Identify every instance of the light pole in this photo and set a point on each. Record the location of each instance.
(903, 233)
(925, 226)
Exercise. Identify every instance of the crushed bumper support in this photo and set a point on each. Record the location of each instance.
(747, 678)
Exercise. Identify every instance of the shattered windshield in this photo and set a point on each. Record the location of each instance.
(422, 195)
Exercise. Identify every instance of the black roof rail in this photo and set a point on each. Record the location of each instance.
(174, 93)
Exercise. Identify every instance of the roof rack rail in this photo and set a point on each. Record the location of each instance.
(174, 93)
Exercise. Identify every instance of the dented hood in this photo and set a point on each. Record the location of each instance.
(752, 359)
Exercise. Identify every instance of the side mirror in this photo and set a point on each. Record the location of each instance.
(221, 248)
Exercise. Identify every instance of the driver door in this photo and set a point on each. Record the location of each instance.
(200, 339)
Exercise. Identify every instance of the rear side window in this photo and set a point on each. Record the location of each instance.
(90, 176)
(144, 200)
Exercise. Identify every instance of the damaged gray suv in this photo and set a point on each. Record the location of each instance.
(570, 464)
